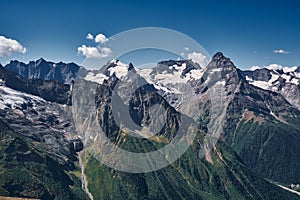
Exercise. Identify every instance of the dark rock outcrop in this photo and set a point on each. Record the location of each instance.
(48, 90)
(44, 70)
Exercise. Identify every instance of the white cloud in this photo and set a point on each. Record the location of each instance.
(9, 46)
(89, 36)
(94, 52)
(105, 51)
(280, 51)
(100, 38)
(198, 58)
(186, 49)
(182, 54)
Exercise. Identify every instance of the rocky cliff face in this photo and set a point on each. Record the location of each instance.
(41, 69)
(253, 118)
(117, 90)
(49, 90)
(27, 107)
(221, 98)
(260, 125)
(37, 145)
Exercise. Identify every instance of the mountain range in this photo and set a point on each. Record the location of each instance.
(285, 81)
(257, 140)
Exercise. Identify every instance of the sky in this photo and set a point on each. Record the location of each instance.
(251, 33)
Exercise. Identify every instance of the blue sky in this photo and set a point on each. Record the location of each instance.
(246, 31)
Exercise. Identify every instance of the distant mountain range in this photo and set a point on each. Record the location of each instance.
(41, 69)
(259, 139)
(284, 81)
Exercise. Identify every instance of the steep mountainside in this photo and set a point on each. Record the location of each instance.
(29, 170)
(244, 109)
(49, 90)
(260, 125)
(39, 138)
(219, 175)
(38, 153)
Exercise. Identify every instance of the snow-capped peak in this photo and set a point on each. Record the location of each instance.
(166, 72)
(119, 69)
(96, 77)
(284, 80)
(114, 66)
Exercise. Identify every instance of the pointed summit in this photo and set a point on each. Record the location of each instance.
(130, 67)
(218, 55)
(42, 61)
(220, 61)
(224, 69)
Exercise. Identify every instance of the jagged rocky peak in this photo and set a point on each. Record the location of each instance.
(220, 61)
(41, 60)
(130, 67)
(263, 74)
(45, 70)
(40, 63)
(171, 66)
(218, 55)
(16, 62)
(117, 67)
(283, 80)
(188, 62)
(224, 69)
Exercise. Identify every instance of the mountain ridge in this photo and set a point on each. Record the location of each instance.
(260, 125)
(285, 82)
(45, 70)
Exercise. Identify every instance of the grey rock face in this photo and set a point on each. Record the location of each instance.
(38, 110)
(250, 106)
(259, 74)
(48, 90)
(41, 69)
(46, 123)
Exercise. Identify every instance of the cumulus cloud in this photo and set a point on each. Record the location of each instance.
(94, 52)
(280, 51)
(100, 38)
(186, 49)
(89, 36)
(9, 46)
(105, 51)
(198, 58)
